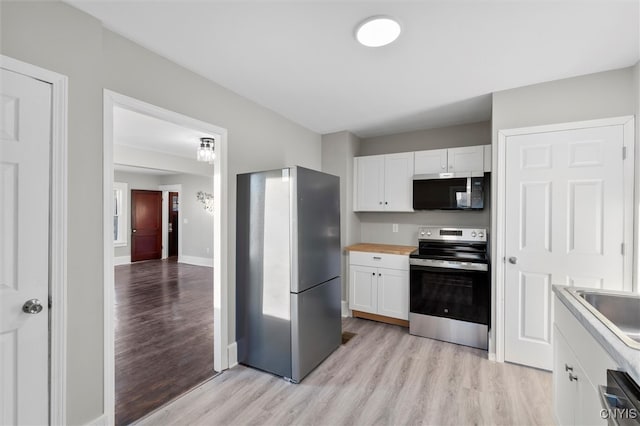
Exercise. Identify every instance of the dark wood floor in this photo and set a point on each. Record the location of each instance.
(163, 334)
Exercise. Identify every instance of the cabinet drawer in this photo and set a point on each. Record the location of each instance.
(379, 260)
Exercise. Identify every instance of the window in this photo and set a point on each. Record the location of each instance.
(120, 201)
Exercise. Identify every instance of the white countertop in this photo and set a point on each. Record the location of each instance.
(626, 357)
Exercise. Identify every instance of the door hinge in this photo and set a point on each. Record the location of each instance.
(624, 152)
(50, 301)
(622, 249)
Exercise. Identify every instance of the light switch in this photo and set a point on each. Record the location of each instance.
(395, 227)
(185, 220)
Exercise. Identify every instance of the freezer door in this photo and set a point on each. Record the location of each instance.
(263, 312)
(315, 228)
(316, 326)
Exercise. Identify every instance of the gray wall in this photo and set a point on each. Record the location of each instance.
(197, 234)
(378, 227)
(55, 36)
(593, 96)
(443, 137)
(338, 150)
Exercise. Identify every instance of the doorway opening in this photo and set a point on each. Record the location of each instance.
(170, 259)
(173, 211)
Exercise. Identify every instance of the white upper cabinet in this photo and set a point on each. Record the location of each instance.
(384, 182)
(369, 183)
(431, 162)
(465, 159)
(398, 182)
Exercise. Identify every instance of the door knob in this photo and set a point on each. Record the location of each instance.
(32, 306)
(133, 230)
(513, 260)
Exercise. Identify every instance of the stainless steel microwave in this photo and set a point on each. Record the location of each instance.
(448, 191)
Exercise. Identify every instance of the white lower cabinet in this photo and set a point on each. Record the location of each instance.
(579, 366)
(364, 288)
(378, 289)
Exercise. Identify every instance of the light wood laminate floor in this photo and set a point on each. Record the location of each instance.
(383, 376)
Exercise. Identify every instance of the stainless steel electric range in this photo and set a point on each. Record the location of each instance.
(450, 291)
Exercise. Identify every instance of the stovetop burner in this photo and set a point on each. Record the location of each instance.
(453, 244)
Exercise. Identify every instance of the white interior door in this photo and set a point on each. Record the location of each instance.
(564, 225)
(25, 135)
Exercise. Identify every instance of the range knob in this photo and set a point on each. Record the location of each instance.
(473, 234)
(480, 234)
(428, 233)
(422, 233)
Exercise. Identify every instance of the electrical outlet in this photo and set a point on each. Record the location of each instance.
(395, 227)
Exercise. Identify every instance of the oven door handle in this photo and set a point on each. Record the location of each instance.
(443, 265)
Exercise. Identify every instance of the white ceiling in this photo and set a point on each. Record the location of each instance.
(300, 59)
(141, 131)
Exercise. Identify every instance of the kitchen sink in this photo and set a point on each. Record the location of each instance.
(620, 312)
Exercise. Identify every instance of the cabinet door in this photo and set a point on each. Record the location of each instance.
(430, 162)
(363, 288)
(393, 293)
(369, 183)
(588, 405)
(466, 159)
(564, 390)
(398, 182)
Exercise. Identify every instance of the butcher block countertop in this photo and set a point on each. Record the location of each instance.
(381, 248)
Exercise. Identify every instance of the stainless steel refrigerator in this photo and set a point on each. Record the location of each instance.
(288, 290)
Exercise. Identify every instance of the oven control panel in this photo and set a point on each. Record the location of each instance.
(452, 234)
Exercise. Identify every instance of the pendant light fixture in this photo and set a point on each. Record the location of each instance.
(206, 151)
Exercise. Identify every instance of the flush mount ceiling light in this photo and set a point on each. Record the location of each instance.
(206, 151)
(377, 31)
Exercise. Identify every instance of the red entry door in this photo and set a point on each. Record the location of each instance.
(146, 225)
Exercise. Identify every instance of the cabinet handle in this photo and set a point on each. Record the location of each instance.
(380, 203)
(379, 275)
(377, 258)
(572, 377)
(568, 368)
(373, 273)
(385, 203)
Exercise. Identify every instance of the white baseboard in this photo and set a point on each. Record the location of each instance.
(121, 260)
(345, 309)
(233, 354)
(198, 261)
(492, 357)
(99, 421)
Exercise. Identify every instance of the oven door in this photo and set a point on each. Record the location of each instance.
(460, 291)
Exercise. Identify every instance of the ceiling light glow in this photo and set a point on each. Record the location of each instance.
(377, 31)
